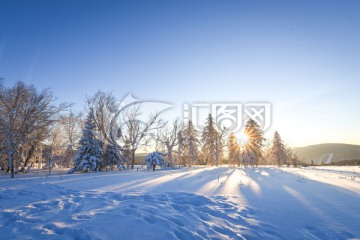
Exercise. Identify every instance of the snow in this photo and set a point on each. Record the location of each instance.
(154, 159)
(186, 203)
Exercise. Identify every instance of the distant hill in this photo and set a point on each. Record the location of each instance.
(328, 153)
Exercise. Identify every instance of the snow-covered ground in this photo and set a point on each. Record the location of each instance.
(188, 203)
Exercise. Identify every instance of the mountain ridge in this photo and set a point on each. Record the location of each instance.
(326, 153)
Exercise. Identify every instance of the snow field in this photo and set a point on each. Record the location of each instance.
(195, 203)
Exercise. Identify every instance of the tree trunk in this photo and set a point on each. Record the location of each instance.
(132, 159)
(171, 160)
(11, 162)
(49, 164)
(27, 158)
(217, 151)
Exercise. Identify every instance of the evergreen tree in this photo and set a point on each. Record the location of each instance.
(111, 157)
(209, 140)
(278, 151)
(190, 144)
(88, 156)
(252, 152)
(234, 150)
(154, 159)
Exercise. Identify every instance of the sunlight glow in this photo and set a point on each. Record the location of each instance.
(243, 138)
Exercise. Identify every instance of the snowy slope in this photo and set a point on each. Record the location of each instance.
(195, 203)
(328, 152)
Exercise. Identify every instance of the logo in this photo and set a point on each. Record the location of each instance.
(228, 116)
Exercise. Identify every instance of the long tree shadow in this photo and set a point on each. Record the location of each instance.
(309, 209)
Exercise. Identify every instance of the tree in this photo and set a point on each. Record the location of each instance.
(252, 150)
(291, 157)
(180, 152)
(234, 150)
(209, 140)
(55, 150)
(154, 159)
(117, 124)
(23, 112)
(278, 151)
(168, 139)
(190, 144)
(112, 157)
(266, 153)
(71, 127)
(106, 114)
(89, 153)
(219, 147)
(137, 131)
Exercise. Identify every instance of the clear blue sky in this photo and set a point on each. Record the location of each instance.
(302, 56)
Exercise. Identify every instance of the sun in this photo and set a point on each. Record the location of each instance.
(243, 138)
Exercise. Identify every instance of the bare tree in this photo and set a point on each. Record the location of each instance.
(27, 150)
(23, 111)
(106, 113)
(136, 131)
(71, 124)
(54, 152)
(267, 160)
(168, 138)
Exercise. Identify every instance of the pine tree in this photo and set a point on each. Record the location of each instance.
(209, 140)
(234, 150)
(190, 144)
(252, 152)
(278, 151)
(111, 157)
(88, 156)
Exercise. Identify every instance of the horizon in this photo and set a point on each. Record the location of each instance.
(302, 58)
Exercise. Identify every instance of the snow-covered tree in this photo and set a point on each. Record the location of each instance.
(71, 127)
(190, 144)
(89, 153)
(209, 140)
(234, 150)
(212, 142)
(167, 138)
(278, 150)
(252, 150)
(24, 112)
(112, 157)
(154, 159)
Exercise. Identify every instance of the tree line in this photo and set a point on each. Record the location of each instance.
(33, 129)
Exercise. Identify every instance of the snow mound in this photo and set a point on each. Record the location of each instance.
(86, 215)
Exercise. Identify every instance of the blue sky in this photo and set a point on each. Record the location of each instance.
(301, 56)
